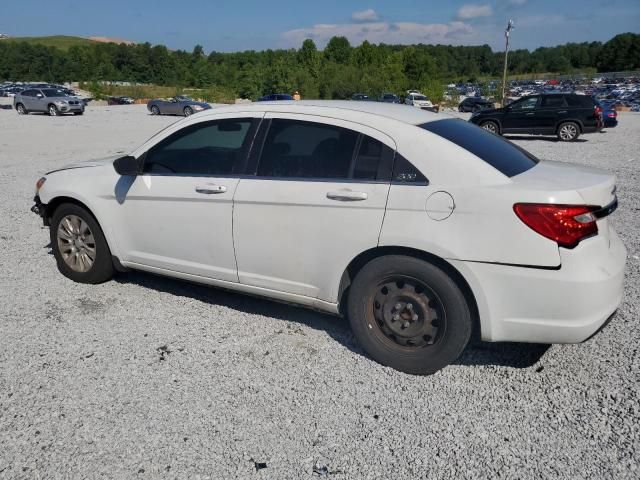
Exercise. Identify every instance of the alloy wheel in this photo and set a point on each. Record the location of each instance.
(568, 131)
(76, 243)
(408, 312)
(490, 126)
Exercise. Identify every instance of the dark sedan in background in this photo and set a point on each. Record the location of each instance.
(275, 97)
(389, 98)
(474, 104)
(178, 105)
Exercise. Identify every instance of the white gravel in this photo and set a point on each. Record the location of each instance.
(149, 377)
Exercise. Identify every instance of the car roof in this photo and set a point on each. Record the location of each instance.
(335, 108)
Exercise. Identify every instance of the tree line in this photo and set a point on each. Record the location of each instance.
(335, 72)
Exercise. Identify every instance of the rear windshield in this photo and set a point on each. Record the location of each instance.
(501, 154)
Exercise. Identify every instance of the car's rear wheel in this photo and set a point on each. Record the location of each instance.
(155, 110)
(490, 126)
(568, 131)
(79, 246)
(21, 109)
(408, 314)
(53, 110)
(188, 111)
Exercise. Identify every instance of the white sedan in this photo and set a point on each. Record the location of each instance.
(420, 228)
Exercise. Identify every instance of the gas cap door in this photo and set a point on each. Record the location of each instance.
(440, 205)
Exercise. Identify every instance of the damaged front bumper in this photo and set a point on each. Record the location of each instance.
(40, 209)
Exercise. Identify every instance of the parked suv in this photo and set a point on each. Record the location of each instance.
(334, 205)
(565, 115)
(47, 100)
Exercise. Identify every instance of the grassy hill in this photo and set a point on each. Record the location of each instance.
(63, 42)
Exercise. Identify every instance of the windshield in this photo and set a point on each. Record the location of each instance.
(420, 97)
(51, 92)
(183, 98)
(389, 95)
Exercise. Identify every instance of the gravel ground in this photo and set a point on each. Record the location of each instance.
(147, 377)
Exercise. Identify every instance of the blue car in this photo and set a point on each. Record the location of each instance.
(609, 116)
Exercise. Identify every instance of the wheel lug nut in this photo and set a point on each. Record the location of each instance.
(414, 317)
(409, 306)
(398, 306)
(405, 325)
(396, 317)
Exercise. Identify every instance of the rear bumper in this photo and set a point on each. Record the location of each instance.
(568, 305)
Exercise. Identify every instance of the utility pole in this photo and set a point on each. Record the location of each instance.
(507, 31)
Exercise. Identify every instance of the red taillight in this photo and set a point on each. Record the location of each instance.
(598, 110)
(565, 224)
(611, 114)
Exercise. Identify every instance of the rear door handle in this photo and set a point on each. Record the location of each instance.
(562, 111)
(347, 196)
(211, 189)
(529, 114)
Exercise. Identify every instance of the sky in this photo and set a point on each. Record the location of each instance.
(226, 26)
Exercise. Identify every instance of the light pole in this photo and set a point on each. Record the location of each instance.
(507, 31)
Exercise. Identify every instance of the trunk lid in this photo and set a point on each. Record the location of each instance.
(596, 187)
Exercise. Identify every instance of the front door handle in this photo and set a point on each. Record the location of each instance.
(211, 189)
(562, 111)
(529, 114)
(347, 196)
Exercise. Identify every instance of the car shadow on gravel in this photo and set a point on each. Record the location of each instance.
(477, 353)
(539, 138)
(6, 107)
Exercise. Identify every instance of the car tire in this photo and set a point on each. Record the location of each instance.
(188, 111)
(155, 110)
(490, 126)
(20, 108)
(52, 110)
(75, 238)
(408, 314)
(568, 131)
(461, 110)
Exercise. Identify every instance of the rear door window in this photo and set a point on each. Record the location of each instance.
(501, 154)
(299, 149)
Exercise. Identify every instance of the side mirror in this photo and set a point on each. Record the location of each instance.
(128, 166)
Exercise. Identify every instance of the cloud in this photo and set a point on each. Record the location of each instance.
(470, 11)
(368, 15)
(455, 33)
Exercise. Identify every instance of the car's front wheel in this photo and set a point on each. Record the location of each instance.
(409, 314)
(21, 109)
(490, 126)
(188, 111)
(79, 246)
(568, 131)
(155, 110)
(53, 110)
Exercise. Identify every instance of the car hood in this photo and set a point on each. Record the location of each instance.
(100, 162)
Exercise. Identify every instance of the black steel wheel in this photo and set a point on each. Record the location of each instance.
(408, 314)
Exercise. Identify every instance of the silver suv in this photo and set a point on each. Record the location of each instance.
(47, 100)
